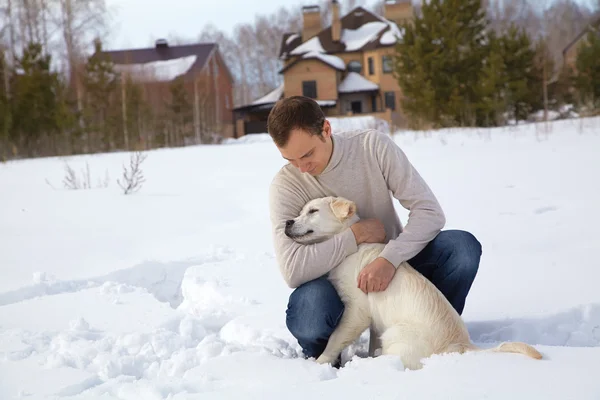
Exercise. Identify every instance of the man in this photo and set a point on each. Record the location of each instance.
(365, 167)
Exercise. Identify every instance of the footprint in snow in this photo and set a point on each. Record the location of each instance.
(544, 210)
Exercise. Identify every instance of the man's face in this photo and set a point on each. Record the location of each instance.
(309, 153)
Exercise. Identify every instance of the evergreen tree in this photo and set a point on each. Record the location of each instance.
(587, 79)
(443, 50)
(137, 121)
(523, 86)
(38, 110)
(5, 114)
(100, 109)
(492, 85)
(180, 110)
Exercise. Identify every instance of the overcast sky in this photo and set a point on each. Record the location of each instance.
(136, 22)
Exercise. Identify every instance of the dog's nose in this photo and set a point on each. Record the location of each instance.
(289, 223)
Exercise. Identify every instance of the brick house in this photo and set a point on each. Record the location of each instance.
(205, 76)
(571, 50)
(346, 66)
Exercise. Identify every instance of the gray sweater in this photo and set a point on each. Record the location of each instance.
(368, 168)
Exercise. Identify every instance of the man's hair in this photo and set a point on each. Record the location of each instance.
(295, 112)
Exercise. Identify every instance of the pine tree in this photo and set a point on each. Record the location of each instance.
(442, 51)
(587, 79)
(492, 85)
(179, 112)
(5, 114)
(523, 89)
(38, 110)
(137, 114)
(101, 109)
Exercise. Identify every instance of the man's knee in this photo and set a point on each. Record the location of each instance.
(314, 310)
(465, 251)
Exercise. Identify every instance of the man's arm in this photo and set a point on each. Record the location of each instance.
(426, 218)
(300, 263)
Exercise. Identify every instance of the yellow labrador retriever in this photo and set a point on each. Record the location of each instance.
(411, 318)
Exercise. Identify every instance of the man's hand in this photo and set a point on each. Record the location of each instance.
(368, 231)
(376, 276)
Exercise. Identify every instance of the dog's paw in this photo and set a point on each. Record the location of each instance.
(323, 359)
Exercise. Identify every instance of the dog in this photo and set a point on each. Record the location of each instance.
(411, 319)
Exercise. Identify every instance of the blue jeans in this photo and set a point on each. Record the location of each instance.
(450, 261)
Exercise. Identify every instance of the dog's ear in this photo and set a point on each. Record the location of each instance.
(342, 208)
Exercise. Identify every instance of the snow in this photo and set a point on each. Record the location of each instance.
(291, 38)
(174, 292)
(270, 97)
(326, 103)
(337, 124)
(355, 82)
(163, 70)
(334, 61)
(392, 35)
(311, 45)
(355, 39)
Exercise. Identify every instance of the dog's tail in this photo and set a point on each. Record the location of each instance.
(513, 347)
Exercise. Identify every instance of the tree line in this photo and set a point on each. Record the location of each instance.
(58, 98)
(462, 63)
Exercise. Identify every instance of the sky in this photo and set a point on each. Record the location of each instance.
(137, 23)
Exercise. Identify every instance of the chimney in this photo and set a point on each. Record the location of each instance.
(161, 44)
(311, 21)
(336, 24)
(398, 11)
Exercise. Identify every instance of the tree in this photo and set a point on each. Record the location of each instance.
(38, 108)
(439, 61)
(523, 88)
(100, 85)
(587, 78)
(492, 85)
(5, 114)
(179, 114)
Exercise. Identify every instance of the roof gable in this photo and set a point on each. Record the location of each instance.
(163, 63)
(330, 60)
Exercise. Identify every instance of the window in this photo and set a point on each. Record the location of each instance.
(354, 66)
(356, 107)
(371, 66)
(309, 89)
(390, 100)
(387, 65)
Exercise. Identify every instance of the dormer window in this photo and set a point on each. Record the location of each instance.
(355, 66)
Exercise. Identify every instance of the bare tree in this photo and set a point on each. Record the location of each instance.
(81, 21)
(133, 178)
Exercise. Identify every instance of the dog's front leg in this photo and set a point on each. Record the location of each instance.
(354, 321)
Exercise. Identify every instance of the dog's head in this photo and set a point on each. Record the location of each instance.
(321, 219)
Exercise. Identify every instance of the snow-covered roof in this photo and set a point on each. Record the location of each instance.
(326, 103)
(361, 30)
(355, 82)
(392, 35)
(311, 45)
(291, 38)
(270, 97)
(162, 70)
(355, 39)
(334, 61)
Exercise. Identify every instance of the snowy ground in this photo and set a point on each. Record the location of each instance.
(173, 292)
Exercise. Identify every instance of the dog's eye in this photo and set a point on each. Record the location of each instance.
(314, 210)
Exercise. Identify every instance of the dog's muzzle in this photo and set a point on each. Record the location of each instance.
(288, 227)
